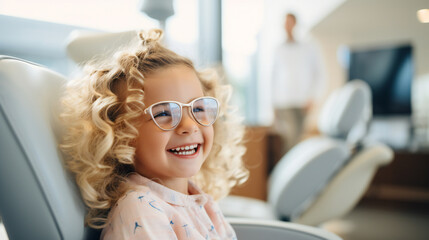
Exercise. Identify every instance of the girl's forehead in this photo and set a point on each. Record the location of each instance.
(178, 83)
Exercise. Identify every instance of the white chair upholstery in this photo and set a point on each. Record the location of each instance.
(38, 198)
(251, 229)
(82, 46)
(346, 188)
(322, 177)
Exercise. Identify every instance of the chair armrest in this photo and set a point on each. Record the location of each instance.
(252, 229)
(245, 207)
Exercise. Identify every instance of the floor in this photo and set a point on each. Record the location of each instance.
(376, 222)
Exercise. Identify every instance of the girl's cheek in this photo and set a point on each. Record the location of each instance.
(209, 141)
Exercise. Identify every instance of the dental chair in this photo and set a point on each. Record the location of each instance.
(38, 196)
(323, 177)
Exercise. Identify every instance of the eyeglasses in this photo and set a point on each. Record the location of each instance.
(168, 114)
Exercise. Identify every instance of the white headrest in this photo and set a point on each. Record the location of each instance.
(344, 108)
(83, 46)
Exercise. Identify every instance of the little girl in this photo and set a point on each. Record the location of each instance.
(148, 136)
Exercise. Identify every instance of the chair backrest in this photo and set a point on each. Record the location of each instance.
(252, 229)
(345, 108)
(307, 168)
(345, 190)
(303, 172)
(38, 197)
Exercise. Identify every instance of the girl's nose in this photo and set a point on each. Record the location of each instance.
(187, 125)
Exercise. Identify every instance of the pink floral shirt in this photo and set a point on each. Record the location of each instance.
(154, 211)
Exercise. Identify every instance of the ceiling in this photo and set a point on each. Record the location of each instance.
(356, 16)
(108, 15)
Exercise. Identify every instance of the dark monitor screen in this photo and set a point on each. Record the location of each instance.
(389, 72)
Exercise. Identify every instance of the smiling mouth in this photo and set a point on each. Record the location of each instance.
(185, 150)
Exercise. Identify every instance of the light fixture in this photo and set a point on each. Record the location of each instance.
(423, 15)
(158, 9)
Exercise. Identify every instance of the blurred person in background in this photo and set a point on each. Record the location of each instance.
(297, 82)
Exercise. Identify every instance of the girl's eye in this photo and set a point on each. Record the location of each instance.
(162, 114)
(198, 109)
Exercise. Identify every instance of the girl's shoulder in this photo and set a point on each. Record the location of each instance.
(134, 194)
(138, 210)
(141, 201)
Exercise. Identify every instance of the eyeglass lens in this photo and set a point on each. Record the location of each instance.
(167, 115)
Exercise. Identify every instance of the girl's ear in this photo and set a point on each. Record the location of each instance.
(133, 143)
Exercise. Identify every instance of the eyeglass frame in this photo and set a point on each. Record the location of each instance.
(181, 112)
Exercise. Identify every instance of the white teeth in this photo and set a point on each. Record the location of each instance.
(186, 150)
(185, 153)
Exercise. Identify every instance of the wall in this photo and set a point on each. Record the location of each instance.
(36, 41)
(367, 23)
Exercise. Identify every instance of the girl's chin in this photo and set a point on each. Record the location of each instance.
(188, 170)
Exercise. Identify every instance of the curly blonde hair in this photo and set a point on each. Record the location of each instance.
(101, 112)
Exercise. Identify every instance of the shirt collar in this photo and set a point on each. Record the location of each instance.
(196, 196)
